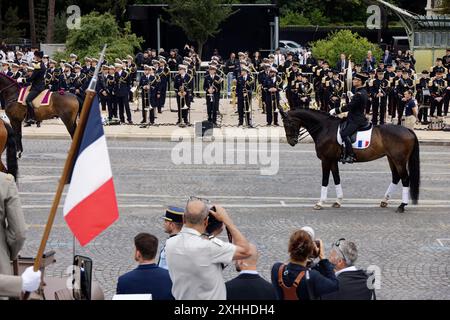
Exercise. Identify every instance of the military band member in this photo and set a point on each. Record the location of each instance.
(335, 89)
(65, 79)
(182, 85)
(79, 84)
(379, 90)
(262, 76)
(16, 73)
(317, 82)
(131, 68)
(52, 76)
(273, 86)
(5, 69)
(111, 90)
(164, 76)
(73, 59)
(212, 86)
(101, 87)
(154, 92)
(438, 88)
(290, 76)
(244, 88)
(19, 58)
(302, 91)
(423, 96)
(87, 66)
(145, 92)
(123, 83)
(403, 84)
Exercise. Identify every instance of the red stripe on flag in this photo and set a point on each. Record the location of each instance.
(94, 214)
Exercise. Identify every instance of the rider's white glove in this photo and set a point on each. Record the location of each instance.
(19, 80)
(349, 94)
(332, 112)
(30, 280)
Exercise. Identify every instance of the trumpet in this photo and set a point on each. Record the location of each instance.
(233, 92)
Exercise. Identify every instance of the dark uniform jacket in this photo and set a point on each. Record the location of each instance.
(37, 79)
(356, 108)
(123, 83)
(241, 84)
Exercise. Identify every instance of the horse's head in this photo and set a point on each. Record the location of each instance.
(292, 127)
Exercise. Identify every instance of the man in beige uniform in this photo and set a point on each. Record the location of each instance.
(12, 238)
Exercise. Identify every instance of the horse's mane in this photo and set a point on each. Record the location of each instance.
(9, 78)
(314, 113)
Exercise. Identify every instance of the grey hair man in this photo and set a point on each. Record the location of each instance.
(353, 282)
(196, 262)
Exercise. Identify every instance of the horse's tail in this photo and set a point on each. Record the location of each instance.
(414, 171)
(11, 151)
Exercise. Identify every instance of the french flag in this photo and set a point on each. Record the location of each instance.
(91, 205)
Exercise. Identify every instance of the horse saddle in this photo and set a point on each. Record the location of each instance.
(360, 139)
(43, 99)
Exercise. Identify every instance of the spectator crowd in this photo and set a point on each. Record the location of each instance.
(193, 258)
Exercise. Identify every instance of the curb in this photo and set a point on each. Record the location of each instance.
(166, 138)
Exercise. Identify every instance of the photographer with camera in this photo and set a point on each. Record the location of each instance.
(195, 261)
(296, 281)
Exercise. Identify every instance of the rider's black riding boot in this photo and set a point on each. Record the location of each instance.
(349, 156)
(29, 120)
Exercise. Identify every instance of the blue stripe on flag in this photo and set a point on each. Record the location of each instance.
(94, 127)
(360, 144)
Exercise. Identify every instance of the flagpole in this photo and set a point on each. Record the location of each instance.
(90, 96)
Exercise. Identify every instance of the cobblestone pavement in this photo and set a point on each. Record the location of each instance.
(412, 249)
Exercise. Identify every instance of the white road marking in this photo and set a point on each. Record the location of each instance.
(441, 242)
(274, 198)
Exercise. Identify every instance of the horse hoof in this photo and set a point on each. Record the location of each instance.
(383, 204)
(400, 210)
(318, 206)
(336, 205)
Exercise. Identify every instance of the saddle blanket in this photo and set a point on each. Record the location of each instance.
(363, 138)
(43, 99)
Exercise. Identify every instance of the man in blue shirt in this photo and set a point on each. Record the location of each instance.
(147, 278)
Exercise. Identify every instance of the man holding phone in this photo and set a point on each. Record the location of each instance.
(195, 262)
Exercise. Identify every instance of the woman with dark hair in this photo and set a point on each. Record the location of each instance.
(295, 281)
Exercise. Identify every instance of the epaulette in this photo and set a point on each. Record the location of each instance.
(36, 66)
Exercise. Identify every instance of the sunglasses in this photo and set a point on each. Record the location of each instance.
(337, 244)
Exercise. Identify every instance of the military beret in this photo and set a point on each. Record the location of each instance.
(14, 65)
(73, 55)
(154, 61)
(52, 61)
(174, 214)
(111, 67)
(128, 57)
(5, 63)
(182, 66)
(94, 60)
(68, 65)
(77, 66)
(118, 65)
(271, 56)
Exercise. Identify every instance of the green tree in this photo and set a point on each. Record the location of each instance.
(293, 18)
(199, 19)
(11, 30)
(95, 31)
(347, 42)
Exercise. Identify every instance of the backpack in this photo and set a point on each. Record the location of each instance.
(290, 293)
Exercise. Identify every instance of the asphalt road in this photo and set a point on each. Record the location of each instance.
(412, 250)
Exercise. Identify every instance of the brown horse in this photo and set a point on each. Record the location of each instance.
(397, 143)
(63, 106)
(8, 142)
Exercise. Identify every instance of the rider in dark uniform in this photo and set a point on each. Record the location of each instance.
(37, 86)
(356, 117)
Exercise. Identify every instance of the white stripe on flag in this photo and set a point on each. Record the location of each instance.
(92, 169)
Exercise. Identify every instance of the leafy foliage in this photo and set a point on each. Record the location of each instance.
(95, 31)
(347, 42)
(12, 31)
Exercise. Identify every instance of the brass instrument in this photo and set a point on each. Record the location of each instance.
(233, 92)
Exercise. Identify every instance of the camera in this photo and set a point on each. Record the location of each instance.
(213, 223)
(316, 251)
